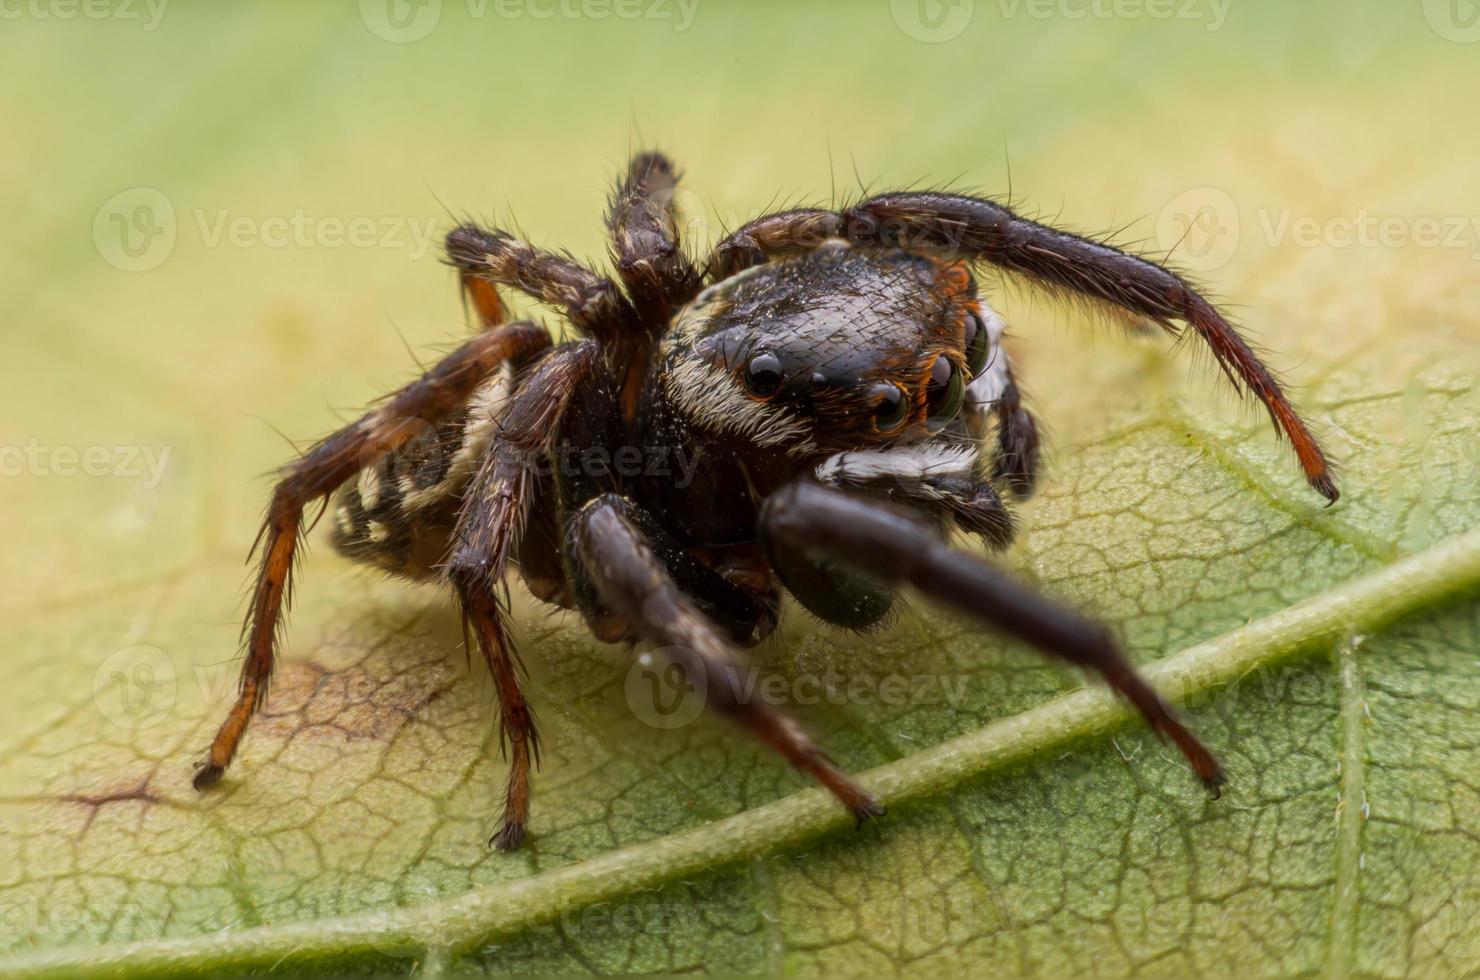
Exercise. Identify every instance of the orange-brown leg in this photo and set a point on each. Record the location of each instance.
(493, 510)
(317, 474)
(484, 297)
(488, 528)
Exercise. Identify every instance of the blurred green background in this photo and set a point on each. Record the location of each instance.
(221, 226)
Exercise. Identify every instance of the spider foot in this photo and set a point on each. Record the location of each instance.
(1214, 784)
(510, 837)
(207, 774)
(866, 809)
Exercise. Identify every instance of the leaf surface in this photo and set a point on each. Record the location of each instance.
(1327, 655)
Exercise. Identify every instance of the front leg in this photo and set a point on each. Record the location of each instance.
(607, 538)
(898, 551)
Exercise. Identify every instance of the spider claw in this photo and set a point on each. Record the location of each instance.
(509, 838)
(1214, 784)
(865, 810)
(207, 774)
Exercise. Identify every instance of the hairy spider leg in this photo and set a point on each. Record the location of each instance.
(635, 584)
(976, 229)
(899, 551)
(319, 473)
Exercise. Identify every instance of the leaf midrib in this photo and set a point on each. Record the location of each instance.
(449, 927)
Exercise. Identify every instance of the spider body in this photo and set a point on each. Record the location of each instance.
(813, 412)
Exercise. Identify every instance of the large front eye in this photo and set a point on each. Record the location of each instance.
(978, 345)
(890, 407)
(943, 394)
(763, 375)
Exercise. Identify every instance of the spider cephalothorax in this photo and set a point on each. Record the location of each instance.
(813, 411)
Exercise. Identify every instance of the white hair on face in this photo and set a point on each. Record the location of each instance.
(907, 464)
(369, 487)
(708, 395)
(986, 388)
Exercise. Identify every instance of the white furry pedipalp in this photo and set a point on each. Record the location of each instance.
(907, 464)
(986, 388)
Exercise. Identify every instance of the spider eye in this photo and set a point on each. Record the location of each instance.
(890, 407)
(978, 344)
(763, 375)
(944, 393)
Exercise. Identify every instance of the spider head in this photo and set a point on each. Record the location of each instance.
(834, 349)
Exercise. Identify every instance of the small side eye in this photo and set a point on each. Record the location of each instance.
(763, 375)
(978, 345)
(890, 407)
(944, 393)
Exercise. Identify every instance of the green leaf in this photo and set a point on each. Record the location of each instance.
(1327, 655)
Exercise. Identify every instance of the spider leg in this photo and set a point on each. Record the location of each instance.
(317, 474)
(633, 583)
(973, 228)
(488, 530)
(969, 228)
(643, 221)
(771, 236)
(896, 550)
(484, 297)
(593, 303)
(1017, 441)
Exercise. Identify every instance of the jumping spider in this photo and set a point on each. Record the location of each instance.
(849, 402)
